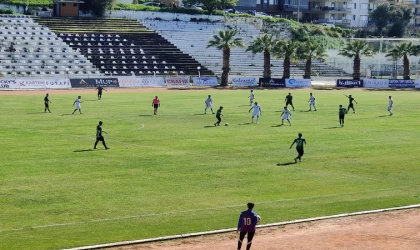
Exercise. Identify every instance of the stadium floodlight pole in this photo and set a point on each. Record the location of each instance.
(198, 68)
(298, 9)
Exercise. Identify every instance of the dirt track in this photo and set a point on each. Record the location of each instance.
(384, 231)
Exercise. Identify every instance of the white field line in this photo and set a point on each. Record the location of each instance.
(192, 210)
(181, 236)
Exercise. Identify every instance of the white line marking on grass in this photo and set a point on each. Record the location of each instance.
(191, 210)
(182, 236)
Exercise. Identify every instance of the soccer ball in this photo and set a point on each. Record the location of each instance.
(259, 218)
(226, 124)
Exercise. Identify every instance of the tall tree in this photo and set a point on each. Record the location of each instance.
(380, 17)
(404, 50)
(288, 51)
(311, 51)
(354, 49)
(97, 7)
(398, 18)
(226, 40)
(264, 44)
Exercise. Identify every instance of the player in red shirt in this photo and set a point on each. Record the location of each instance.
(156, 104)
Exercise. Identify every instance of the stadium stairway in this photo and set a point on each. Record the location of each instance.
(192, 38)
(29, 49)
(123, 47)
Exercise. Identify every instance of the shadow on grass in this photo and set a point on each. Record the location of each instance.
(209, 126)
(247, 123)
(333, 127)
(200, 114)
(286, 164)
(35, 113)
(145, 115)
(66, 114)
(244, 106)
(383, 115)
(307, 111)
(276, 126)
(83, 150)
(91, 100)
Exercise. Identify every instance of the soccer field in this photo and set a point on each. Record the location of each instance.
(176, 173)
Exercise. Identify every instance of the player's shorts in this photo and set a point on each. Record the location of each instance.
(351, 105)
(78, 106)
(100, 138)
(47, 105)
(312, 103)
(156, 106)
(286, 117)
(289, 103)
(300, 151)
(389, 108)
(256, 114)
(209, 106)
(341, 117)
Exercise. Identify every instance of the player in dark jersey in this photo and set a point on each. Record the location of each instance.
(341, 113)
(99, 136)
(247, 224)
(47, 103)
(351, 99)
(219, 116)
(289, 100)
(299, 146)
(99, 88)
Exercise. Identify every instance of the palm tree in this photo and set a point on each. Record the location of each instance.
(288, 51)
(404, 50)
(264, 45)
(354, 49)
(311, 51)
(225, 40)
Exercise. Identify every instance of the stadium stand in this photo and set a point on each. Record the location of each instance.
(192, 38)
(123, 47)
(31, 50)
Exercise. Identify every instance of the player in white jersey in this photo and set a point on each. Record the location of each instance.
(257, 111)
(209, 104)
(251, 97)
(78, 106)
(390, 104)
(286, 116)
(312, 102)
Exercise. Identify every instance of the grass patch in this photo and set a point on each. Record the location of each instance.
(174, 173)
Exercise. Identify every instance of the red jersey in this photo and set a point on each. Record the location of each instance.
(156, 101)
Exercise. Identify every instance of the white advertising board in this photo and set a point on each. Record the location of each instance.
(57, 84)
(8, 84)
(31, 83)
(298, 83)
(244, 81)
(205, 81)
(179, 81)
(376, 83)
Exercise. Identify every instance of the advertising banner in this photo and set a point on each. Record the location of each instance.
(244, 82)
(272, 82)
(298, 83)
(8, 84)
(132, 82)
(57, 84)
(94, 82)
(417, 84)
(205, 81)
(347, 83)
(179, 81)
(401, 84)
(31, 83)
(376, 83)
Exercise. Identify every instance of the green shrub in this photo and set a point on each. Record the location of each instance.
(6, 11)
(29, 2)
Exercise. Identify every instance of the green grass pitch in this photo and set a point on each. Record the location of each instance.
(174, 173)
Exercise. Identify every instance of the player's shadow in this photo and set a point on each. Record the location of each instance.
(286, 164)
(276, 126)
(244, 106)
(35, 113)
(199, 114)
(247, 123)
(66, 114)
(83, 150)
(209, 126)
(145, 115)
(383, 115)
(306, 111)
(333, 127)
